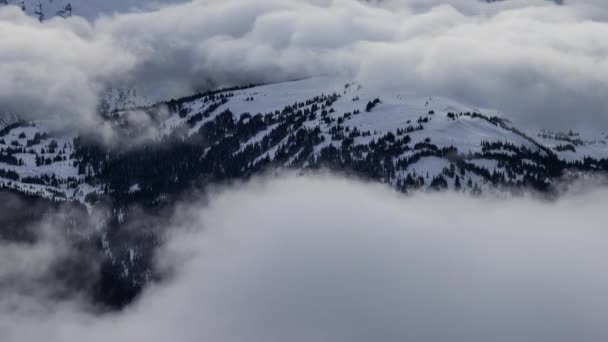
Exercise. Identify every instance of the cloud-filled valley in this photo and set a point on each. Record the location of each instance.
(359, 263)
(535, 61)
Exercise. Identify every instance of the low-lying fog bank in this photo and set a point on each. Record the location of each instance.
(328, 259)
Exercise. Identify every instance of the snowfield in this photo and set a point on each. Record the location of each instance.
(341, 110)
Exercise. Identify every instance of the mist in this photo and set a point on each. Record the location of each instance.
(324, 258)
(535, 61)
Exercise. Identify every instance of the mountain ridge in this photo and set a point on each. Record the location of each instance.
(405, 140)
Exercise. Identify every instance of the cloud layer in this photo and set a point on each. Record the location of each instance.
(276, 261)
(538, 62)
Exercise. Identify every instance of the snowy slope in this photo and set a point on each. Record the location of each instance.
(396, 110)
(90, 9)
(446, 124)
(406, 140)
(7, 119)
(35, 155)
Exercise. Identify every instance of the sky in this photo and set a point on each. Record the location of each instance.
(360, 263)
(539, 63)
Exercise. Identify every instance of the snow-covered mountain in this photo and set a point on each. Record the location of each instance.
(405, 140)
(42, 9)
(408, 141)
(90, 9)
(165, 148)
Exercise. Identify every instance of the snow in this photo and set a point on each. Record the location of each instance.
(62, 170)
(134, 188)
(592, 146)
(90, 9)
(396, 110)
(268, 98)
(123, 99)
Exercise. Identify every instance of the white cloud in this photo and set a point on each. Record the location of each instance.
(276, 261)
(56, 68)
(540, 63)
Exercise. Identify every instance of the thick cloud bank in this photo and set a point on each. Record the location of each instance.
(536, 61)
(323, 259)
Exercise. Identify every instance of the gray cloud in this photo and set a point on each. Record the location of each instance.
(540, 63)
(277, 261)
(55, 68)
